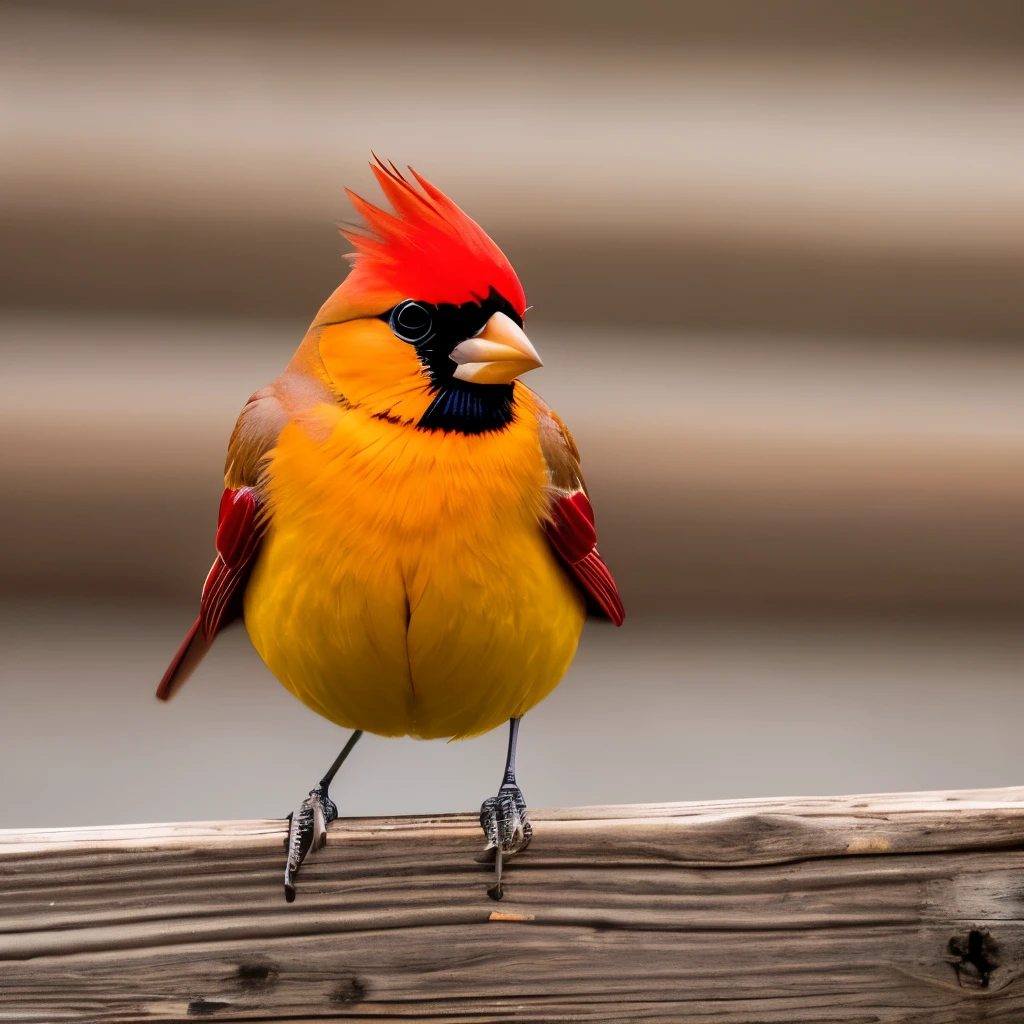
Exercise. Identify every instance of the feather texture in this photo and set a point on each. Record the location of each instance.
(240, 527)
(406, 585)
(428, 249)
(570, 530)
(570, 523)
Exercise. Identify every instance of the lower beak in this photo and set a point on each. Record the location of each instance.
(497, 355)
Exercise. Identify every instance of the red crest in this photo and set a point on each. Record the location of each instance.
(428, 249)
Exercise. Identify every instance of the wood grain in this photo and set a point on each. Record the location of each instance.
(902, 907)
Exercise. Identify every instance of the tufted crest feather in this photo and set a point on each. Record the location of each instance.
(428, 249)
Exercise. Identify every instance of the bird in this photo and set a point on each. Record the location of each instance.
(405, 530)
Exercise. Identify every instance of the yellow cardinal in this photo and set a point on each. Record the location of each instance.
(405, 528)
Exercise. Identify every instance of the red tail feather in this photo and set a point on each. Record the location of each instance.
(189, 654)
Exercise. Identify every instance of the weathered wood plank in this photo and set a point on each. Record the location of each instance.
(891, 908)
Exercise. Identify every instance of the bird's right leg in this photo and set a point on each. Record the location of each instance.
(307, 827)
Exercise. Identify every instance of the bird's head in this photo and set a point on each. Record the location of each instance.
(427, 329)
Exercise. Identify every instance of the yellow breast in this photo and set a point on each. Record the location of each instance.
(405, 585)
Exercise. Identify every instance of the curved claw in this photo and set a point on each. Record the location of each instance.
(507, 829)
(506, 821)
(307, 830)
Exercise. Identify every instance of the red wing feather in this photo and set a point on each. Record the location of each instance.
(571, 532)
(240, 527)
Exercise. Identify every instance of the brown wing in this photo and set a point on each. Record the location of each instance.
(241, 523)
(570, 524)
(256, 432)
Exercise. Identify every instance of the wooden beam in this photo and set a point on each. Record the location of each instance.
(904, 907)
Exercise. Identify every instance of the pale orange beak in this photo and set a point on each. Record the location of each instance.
(499, 354)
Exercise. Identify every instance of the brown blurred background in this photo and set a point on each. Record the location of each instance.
(775, 250)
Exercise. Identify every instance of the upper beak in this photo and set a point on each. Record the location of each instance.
(497, 355)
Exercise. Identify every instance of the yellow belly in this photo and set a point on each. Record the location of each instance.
(405, 585)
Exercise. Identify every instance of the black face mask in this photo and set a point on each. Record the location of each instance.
(434, 331)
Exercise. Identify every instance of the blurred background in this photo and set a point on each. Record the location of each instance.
(775, 252)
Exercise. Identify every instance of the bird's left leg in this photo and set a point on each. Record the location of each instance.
(307, 827)
(504, 818)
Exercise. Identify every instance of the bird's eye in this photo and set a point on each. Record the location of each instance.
(411, 322)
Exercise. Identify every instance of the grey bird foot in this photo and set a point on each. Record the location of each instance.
(506, 824)
(307, 830)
